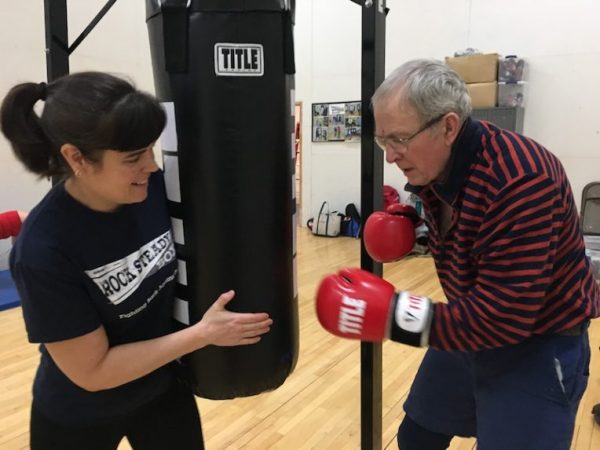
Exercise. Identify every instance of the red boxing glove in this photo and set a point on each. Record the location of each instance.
(390, 235)
(10, 224)
(356, 304)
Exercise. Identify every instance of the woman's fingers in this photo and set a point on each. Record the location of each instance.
(250, 318)
(250, 340)
(224, 299)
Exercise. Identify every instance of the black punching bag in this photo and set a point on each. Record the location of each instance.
(224, 71)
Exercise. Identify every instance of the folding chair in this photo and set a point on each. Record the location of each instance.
(590, 208)
(590, 223)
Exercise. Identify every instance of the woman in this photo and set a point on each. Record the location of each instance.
(95, 268)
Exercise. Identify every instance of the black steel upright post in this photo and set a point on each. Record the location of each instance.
(57, 39)
(57, 36)
(373, 73)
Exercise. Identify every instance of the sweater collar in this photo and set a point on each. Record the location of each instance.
(463, 153)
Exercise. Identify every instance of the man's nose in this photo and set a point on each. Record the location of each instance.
(391, 155)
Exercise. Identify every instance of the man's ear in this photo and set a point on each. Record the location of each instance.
(452, 125)
(74, 158)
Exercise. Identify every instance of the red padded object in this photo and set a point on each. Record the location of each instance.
(389, 237)
(390, 196)
(356, 304)
(10, 224)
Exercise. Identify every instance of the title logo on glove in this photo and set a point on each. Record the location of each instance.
(352, 315)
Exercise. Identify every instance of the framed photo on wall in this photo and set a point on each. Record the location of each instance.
(336, 121)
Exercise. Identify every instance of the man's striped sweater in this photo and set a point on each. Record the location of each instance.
(512, 263)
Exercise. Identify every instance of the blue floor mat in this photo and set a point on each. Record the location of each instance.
(8, 293)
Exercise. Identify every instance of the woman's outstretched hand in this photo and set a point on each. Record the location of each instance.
(226, 328)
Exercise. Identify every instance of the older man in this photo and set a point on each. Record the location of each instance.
(509, 352)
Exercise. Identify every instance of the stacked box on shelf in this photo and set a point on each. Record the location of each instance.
(480, 73)
(511, 87)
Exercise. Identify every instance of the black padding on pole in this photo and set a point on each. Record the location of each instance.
(234, 119)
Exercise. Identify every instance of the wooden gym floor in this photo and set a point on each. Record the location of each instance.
(318, 407)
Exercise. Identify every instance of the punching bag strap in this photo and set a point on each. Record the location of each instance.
(237, 5)
(175, 33)
(289, 64)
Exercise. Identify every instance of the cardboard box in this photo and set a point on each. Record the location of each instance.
(483, 95)
(475, 68)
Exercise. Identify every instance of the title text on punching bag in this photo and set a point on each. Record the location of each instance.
(239, 60)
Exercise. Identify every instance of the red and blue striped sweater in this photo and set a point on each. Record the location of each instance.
(512, 264)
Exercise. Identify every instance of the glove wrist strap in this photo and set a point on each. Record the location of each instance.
(411, 320)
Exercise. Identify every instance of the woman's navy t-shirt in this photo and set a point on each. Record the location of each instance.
(77, 269)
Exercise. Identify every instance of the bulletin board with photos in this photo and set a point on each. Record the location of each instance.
(336, 121)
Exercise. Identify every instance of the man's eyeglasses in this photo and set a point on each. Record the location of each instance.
(395, 142)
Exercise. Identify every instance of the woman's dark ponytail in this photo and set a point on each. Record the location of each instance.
(92, 111)
(21, 126)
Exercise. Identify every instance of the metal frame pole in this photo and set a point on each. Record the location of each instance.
(373, 73)
(57, 39)
(57, 36)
